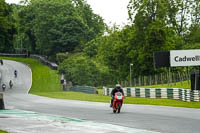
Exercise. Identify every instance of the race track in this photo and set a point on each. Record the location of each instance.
(132, 117)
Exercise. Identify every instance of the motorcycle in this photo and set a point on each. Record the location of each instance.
(117, 102)
(11, 84)
(15, 73)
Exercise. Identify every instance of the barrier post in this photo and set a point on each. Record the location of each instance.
(1, 101)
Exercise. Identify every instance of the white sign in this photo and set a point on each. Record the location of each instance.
(185, 57)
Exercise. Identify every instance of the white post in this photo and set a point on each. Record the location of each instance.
(170, 83)
(130, 75)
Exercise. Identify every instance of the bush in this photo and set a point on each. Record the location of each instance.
(81, 70)
(60, 57)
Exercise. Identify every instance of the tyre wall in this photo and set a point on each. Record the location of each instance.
(166, 93)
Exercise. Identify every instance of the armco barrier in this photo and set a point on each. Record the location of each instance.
(13, 55)
(52, 65)
(85, 89)
(1, 101)
(167, 93)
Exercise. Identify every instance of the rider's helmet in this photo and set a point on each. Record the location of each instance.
(118, 86)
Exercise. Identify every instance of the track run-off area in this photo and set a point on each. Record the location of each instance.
(27, 113)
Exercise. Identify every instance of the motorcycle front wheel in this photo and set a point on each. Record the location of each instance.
(114, 111)
(119, 108)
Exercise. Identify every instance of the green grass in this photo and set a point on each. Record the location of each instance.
(184, 85)
(76, 96)
(46, 83)
(1, 131)
(44, 79)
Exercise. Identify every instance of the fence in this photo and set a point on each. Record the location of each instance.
(162, 78)
(167, 93)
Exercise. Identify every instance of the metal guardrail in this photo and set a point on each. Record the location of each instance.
(13, 55)
(42, 59)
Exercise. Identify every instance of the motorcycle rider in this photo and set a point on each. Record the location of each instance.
(3, 87)
(1, 61)
(116, 89)
(11, 84)
(15, 73)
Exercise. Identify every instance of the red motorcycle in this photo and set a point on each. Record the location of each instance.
(117, 102)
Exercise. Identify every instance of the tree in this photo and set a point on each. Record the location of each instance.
(93, 21)
(195, 15)
(81, 70)
(192, 40)
(175, 13)
(7, 28)
(152, 32)
(54, 26)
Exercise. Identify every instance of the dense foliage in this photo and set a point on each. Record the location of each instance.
(89, 52)
(156, 26)
(51, 26)
(81, 70)
(7, 27)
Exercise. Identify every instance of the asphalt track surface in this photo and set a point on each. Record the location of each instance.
(94, 117)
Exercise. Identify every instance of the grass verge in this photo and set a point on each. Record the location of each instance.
(1, 131)
(184, 85)
(46, 83)
(44, 79)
